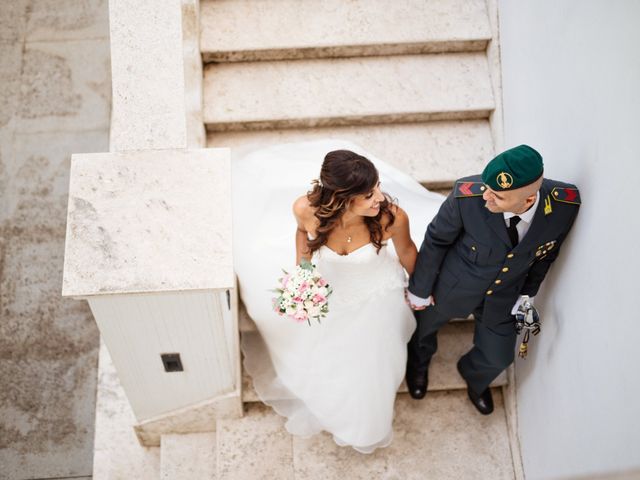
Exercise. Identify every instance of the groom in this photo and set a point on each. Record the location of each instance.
(492, 242)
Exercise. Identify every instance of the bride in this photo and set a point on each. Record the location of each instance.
(341, 375)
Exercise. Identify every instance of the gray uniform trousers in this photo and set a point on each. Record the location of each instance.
(492, 352)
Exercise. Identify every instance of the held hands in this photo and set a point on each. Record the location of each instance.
(417, 303)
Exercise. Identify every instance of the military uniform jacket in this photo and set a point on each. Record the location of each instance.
(467, 261)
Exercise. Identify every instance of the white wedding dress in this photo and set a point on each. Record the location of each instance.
(341, 375)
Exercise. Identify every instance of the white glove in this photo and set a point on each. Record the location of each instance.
(418, 302)
(519, 302)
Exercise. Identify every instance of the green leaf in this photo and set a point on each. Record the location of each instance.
(306, 264)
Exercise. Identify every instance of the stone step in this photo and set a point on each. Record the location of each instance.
(347, 91)
(454, 340)
(233, 31)
(440, 437)
(434, 153)
(254, 447)
(187, 457)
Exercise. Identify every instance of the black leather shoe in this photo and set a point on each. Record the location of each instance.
(483, 401)
(417, 384)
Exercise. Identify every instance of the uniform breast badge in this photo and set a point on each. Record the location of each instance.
(547, 205)
(527, 320)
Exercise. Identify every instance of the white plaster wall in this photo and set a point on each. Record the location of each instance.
(571, 79)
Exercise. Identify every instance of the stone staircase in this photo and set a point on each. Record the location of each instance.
(409, 80)
(413, 82)
(440, 437)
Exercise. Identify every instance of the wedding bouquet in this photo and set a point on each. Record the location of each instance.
(302, 294)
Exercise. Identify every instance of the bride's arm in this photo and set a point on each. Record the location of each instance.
(405, 248)
(300, 211)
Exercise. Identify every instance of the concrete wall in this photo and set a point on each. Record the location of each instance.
(55, 100)
(571, 78)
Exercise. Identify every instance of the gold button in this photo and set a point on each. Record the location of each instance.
(473, 248)
(498, 282)
(489, 292)
(483, 188)
(510, 255)
(505, 269)
(555, 193)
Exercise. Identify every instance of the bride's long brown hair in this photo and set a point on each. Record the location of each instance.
(343, 176)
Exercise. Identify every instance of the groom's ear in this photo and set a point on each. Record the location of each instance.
(531, 199)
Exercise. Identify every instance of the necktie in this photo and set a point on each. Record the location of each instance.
(512, 230)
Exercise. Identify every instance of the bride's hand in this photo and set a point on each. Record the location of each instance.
(428, 302)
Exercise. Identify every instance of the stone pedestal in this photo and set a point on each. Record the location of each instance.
(149, 246)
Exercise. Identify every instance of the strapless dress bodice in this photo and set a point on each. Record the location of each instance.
(361, 273)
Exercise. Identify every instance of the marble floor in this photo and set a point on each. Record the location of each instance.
(55, 89)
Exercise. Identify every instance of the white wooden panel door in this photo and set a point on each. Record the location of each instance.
(138, 328)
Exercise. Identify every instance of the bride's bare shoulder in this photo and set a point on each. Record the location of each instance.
(302, 209)
(400, 220)
(399, 214)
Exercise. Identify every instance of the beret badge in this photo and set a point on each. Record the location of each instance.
(504, 180)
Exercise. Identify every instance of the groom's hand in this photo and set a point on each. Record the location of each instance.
(417, 303)
(519, 302)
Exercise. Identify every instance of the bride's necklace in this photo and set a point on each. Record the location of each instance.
(349, 236)
(345, 232)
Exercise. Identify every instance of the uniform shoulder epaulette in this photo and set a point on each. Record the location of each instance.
(469, 189)
(566, 195)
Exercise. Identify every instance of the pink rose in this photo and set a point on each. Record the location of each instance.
(300, 316)
(317, 298)
(303, 287)
(322, 282)
(276, 306)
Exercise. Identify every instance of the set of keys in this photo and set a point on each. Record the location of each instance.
(527, 320)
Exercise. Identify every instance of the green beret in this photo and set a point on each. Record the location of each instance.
(514, 168)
